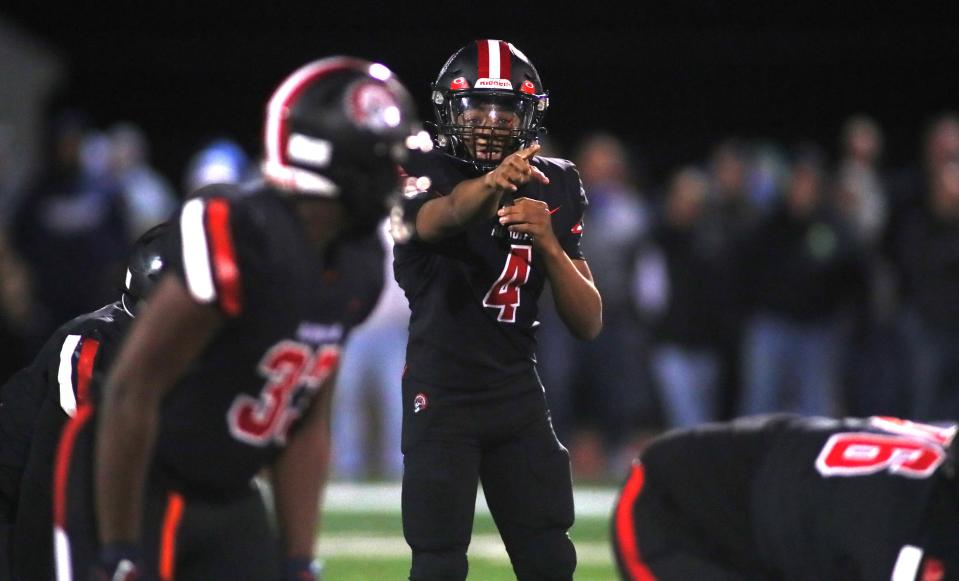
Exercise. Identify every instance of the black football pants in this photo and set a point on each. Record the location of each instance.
(184, 537)
(504, 439)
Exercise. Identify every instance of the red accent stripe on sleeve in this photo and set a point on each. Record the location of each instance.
(625, 531)
(482, 48)
(171, 525)
(504, 60)
(62, 466)
(88, 354)
(226, 272)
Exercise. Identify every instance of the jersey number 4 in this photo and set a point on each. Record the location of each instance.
(504, 295)
(287, 366)
(910, 449)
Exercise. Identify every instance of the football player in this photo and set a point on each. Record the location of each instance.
(229, 369)
(786, 497)
(493, 224)
(36, 402)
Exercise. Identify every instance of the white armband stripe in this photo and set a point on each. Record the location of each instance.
(68, 399)
(196, 254)
(907, 564)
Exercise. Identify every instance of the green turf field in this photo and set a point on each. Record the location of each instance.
(361, 538)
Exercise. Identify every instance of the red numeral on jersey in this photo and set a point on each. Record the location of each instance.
(862, 453)
(287, 366)
(505, 292)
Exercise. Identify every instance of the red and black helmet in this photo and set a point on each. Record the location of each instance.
(494, 78)
(337, 128)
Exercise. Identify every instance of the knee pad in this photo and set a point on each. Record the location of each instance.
(550, 557)
(439, 566)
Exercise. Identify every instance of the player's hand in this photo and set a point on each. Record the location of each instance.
(118, 562)
(529, 217)
(515, 170)
(302, 569)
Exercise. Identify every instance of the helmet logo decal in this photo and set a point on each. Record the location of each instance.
(528, 87)
(373, 106)
(494, 84)
(459, 83)
(493, 59)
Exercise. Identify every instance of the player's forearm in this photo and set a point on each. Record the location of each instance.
(125, 437)
(469, 201)
(578, 302)
(298, 486)
(299, 477)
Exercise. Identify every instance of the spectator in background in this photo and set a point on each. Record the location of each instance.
(70, 227)
(861, 192)
(911, 186)
(731, 217)
(928, 260)
(220, 160)
(8, 189)
(15, 294)
(15, 309)
(768, 171)
(371, 371)
(676, 287)
(148, 197)
(874, 366)
(602, 376)
(804, 270)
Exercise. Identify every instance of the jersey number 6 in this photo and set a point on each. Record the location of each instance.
(287, 366)
(910, 449)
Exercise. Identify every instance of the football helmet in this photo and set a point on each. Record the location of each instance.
(144, 267)
(489, 102)
(337, 128)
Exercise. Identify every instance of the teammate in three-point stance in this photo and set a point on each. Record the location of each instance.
(786, 497)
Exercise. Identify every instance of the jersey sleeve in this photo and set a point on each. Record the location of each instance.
(204, 253)
(570, 239)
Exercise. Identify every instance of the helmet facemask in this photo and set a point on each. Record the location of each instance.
(486, 126)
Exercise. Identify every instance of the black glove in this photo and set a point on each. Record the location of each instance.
(119, 562)
(302, 569)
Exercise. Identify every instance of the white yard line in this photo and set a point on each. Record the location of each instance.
(590, 502)
(484, 547)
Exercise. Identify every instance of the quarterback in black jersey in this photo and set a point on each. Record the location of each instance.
(229, 368)
(37, 401)
(492, 224)
(785, 497)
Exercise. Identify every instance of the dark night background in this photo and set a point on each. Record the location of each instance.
(671, 81)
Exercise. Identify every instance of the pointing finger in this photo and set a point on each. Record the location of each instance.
(528, 153)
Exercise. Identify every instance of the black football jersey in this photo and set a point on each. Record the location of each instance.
(289, 310)
(799, 498)
(58, 379)
(35, 404)
(474, 295)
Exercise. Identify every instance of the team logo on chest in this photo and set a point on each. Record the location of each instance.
(420, 403)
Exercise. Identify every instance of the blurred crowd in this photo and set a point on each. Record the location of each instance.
(810, 278)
